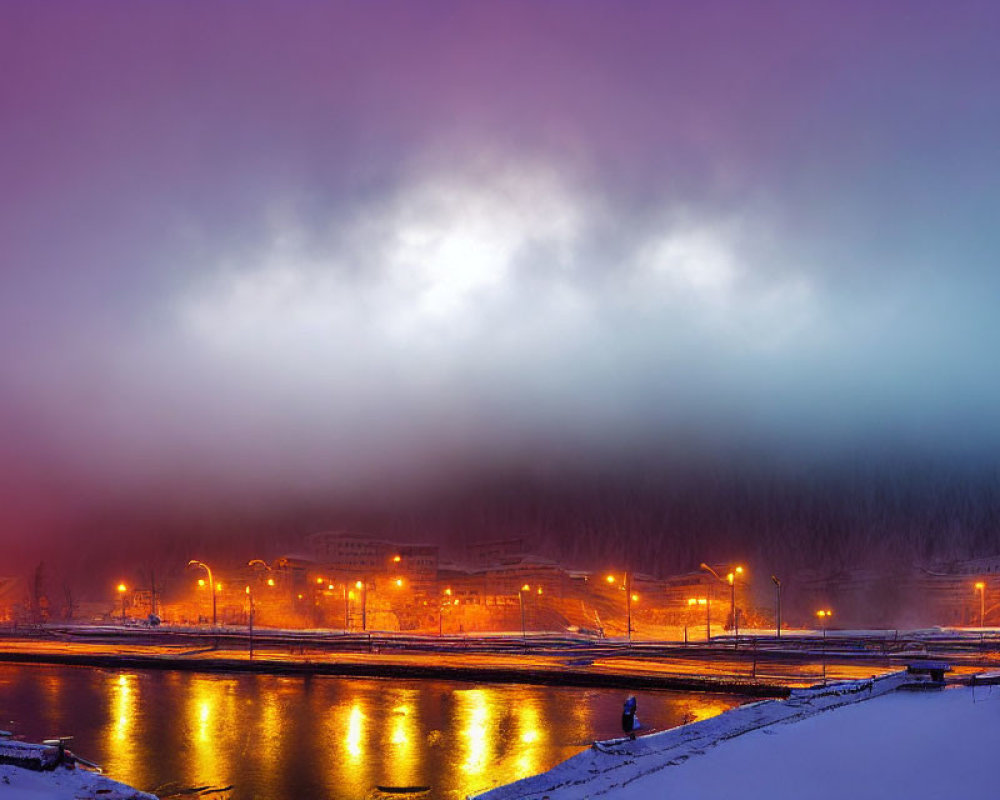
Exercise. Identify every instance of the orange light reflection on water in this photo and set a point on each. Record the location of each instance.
(324, 737)
(478, 735)
(404, 745)
(353, 741)
(347, 734)
(531, 737)
(270, 729)
(213, 726)
(52, 685)
(704, 707)
(121, 732)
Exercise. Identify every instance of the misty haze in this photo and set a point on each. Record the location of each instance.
(549, 332)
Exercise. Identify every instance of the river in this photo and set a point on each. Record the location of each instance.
(306, 738)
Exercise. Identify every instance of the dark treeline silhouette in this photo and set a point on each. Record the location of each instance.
(663, 522)
(659, 520)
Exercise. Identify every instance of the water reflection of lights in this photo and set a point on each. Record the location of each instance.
(214, 724)
(353, 738)
(53, 686)
(528, 719)
(474, 705)
(705, 707)
(405, 765)
(582, 715)
(271, 725)
(399, 732)
(346, 731)
(531, 733)
(205, 711)
(121, 734)
(327, 737)
(123, 708)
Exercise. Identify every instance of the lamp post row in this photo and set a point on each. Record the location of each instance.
(731, 578)
(195, 563)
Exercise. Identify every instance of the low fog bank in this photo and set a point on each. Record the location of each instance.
(644, 516)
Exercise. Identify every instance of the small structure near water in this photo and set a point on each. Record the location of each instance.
(50, 770)
(926, 675)
(43, 757)
(36, 757)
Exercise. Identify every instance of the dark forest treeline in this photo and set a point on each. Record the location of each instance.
(668, 522)
(660, 521)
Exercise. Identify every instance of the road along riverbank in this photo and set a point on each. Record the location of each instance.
(548, 660)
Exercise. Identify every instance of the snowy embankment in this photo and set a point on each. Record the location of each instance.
(937, 745)
(612, 767)
(62, 783)
(36, 771)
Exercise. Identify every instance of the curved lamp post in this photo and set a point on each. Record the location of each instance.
(731, 580)
(267, 568)
(211, 582)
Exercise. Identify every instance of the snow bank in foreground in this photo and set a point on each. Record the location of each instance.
(608, 766)
(912, 745)
(63, 784)
(933, 745)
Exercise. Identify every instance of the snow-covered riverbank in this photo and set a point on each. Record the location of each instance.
(918, 745)
(63, 783)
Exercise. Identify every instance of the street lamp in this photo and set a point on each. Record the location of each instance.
(362, 586)
(255, 562)
(824, 615)
(731, 577)
(195, 563)
(981, 588)
(267, 568)
(731, 580)
(249, 592)
(121, 591)
(629, 597)
(777, 612)
(444, 602)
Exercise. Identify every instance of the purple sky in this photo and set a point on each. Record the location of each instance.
(301, 247)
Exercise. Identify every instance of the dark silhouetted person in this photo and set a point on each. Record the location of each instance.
(629, 722)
